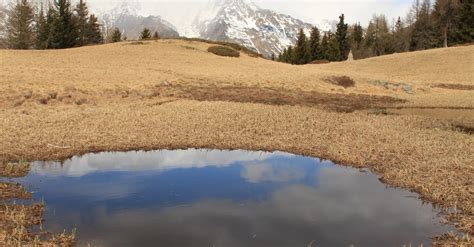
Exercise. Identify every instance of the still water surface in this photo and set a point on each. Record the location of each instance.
(226, 198)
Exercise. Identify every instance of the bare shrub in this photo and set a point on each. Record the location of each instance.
(343, 81)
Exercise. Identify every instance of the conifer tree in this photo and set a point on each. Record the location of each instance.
(333, 50)
(400, 37)
(20, 25)
(444, 14)
(290, 56)
(341, 36)
(314, 47)
(156, 36)
(300, 52)
(64, 29)
(93, 33)
(464, 27)
(356, 36)
(42, 30)
(325, 46)
(115, 36)
(82, 21)
(3, 29)
(424, 34)
(145, 34)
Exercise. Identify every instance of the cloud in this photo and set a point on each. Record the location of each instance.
(142, 161)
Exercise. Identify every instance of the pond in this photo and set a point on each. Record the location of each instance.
(226, 198)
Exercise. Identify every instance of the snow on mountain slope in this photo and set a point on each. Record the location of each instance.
(243, 22)
(126, 18)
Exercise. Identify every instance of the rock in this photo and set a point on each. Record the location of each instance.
(165, 84)
(350, 57)
(149, 93)
(408, 89)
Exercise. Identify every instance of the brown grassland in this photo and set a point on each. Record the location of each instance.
(408, 117)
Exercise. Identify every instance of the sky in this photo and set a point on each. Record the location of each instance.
(312, 11)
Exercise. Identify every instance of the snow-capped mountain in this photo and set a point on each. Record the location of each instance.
(243, 22)
(126, 18)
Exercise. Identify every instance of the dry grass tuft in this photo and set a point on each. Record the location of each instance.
(13, 191)
(14, 170)
(223, 51)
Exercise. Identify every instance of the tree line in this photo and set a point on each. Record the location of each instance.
(442, 24)
(55, 26)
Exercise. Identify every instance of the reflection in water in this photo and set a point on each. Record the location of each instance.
(226, 198)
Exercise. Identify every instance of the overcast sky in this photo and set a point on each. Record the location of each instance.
(312, 11)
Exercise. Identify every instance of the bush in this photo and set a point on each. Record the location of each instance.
(343, 81)
(223, 51)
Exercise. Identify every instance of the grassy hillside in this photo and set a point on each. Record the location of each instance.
(137, 66)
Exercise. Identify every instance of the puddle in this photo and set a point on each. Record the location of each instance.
(225, 198)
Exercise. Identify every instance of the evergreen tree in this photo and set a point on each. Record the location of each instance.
(300, 52)
(93, 33)
(290, 55)
(356, 36)
(64, 29)
(424, 33)
(82, 21)
(464, 23)
(400, 37)
(48, 28)
(20, 25)
(333, 51)
(40, 32)
(145, 34)
(444, 14)
(156, 36)
(115, 36)
(325, 46)
(314, 46)
(341, 36)
(3, 29)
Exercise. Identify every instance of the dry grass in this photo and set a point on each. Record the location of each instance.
(14, 170)
(456, 86)
(55, 104)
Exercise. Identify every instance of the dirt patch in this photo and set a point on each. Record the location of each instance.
(456, 86)
(269, 96)
(14, 170)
